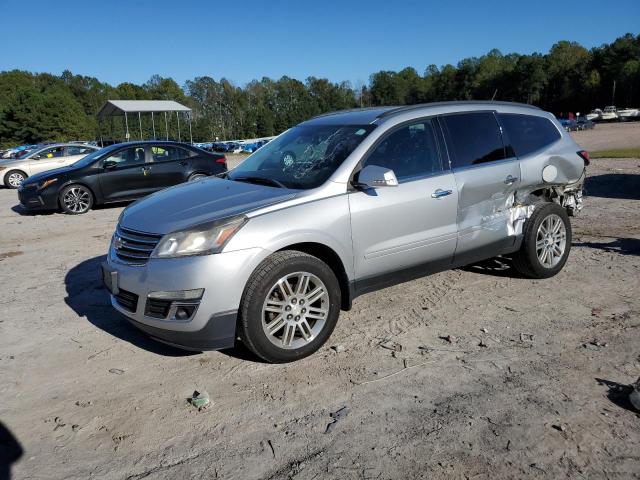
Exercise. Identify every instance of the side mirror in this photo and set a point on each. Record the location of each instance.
(109, 165)
(373, 176)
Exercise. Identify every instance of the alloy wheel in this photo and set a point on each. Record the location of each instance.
(551, 241)
(77, 200)
(295, 310)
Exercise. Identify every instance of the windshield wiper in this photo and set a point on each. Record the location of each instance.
(259, 181)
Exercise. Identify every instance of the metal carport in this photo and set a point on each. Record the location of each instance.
(118, 108)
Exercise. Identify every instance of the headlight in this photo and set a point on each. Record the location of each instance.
(46, 183)
(201, 240)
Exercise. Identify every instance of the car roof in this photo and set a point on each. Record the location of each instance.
(363, 116)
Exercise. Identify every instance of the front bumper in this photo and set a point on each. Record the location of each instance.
(212, 326)
(33, 199)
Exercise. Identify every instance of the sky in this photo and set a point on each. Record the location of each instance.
(241, 40)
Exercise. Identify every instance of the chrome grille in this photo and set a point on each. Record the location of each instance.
(134, 247)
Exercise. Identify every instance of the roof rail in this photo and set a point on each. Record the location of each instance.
(338, 112)
(408, 108)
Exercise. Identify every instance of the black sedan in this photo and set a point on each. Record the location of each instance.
(119, 173)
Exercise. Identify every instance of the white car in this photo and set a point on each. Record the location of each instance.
(14, 171)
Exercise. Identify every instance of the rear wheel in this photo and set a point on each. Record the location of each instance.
(196, 176)
(14, 178)
(76, 199)
(546, 242)
(290, 307)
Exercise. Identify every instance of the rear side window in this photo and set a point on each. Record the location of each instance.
(528, 133)
(168, 153)
(473, 138)
(78, 150)
(411, 151)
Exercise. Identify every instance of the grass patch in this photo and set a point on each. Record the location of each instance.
(617, 153)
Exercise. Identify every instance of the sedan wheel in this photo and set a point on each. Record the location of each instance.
(76, 199)
(15, 179)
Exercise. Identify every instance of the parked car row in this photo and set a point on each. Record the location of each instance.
(341, 205)
(573, 125)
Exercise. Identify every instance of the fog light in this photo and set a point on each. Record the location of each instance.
(195, 294)
(184, 312)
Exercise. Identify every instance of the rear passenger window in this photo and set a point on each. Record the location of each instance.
(528, 133)
(168, 153)
(411, 151)
(473, 138)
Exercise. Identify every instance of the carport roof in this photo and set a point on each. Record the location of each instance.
(120, 107)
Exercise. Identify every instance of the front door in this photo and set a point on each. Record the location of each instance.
(125, 175)
(487, 174)
(413, 224)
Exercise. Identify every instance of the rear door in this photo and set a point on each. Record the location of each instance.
(73, 153)
(169, 165)
(47, 159)
(413, 224)
(487, 174)
(125, 175)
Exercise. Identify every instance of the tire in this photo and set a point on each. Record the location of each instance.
(76, 199)
(290, 321)
(531, 261)
(14, 178)
(196, 176)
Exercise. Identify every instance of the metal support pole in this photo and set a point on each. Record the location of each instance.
(153, 125)
(178, 118)
(126, 122)
(140, 123)
(166, 124)
(190, 133)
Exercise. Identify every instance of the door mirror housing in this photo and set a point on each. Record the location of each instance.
(109, 165)
(373, 176)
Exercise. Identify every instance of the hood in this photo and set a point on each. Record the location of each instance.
(39, 177)
(192, 203)
(10, 162)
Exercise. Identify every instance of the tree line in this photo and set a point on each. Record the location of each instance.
(37, 107)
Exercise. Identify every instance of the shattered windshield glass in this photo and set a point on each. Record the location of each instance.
(303, 157)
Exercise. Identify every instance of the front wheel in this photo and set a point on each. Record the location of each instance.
(196, 176)
(14, 179)
(76, 199)
(546, 242)
(290, 307)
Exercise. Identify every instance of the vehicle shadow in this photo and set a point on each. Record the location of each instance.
(88, 298)
(496, 267)
(10, 451)
(618, 394)
(624, 186)
(623, 246)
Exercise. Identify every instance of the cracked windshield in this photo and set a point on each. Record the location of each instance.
(303, 157)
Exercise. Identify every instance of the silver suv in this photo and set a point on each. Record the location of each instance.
(271, 252)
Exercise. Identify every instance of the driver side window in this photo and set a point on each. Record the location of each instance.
(128, 156)
(54, 152)
(411, 151)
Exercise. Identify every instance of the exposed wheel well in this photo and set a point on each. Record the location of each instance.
(332, 259)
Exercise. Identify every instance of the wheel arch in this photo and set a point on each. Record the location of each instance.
(333, 260)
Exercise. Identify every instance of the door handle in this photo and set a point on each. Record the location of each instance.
(510, 180)
(439, 193)
(183, 163)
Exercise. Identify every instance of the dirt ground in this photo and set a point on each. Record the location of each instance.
(531, 387)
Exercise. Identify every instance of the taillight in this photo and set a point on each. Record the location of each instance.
(222, 160)
(585, 156)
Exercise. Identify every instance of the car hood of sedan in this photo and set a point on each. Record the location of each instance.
(39, 177)
(193, 203)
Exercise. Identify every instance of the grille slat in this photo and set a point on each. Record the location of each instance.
(135, 247)
(157, 308)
